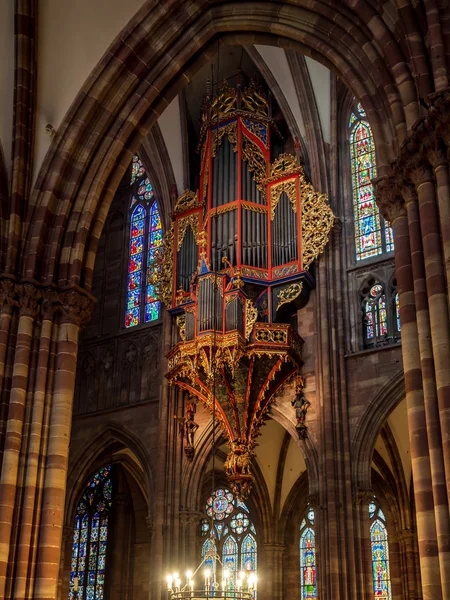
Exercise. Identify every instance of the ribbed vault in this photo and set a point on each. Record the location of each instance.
(155, 56)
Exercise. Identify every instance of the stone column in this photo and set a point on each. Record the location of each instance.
(189, 523)
(438, 156)
(362, 497)
(429, 388)
(437, 299)
(409, 560)
(273, 572)
(34, 450)
(7, 302)
(393, 208)
(76, 308)
(29, 297)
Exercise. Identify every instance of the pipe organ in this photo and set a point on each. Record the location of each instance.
(236, 269)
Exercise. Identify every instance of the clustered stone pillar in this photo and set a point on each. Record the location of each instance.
(415, 199)
(36, 433)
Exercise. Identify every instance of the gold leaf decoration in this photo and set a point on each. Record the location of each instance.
(186, 201)
(166, 273)
(251, 315)
(183, 223)
(317, 221)
(254, 100)
(230, 131)
(283, 165)
(276, 190)
(255, 161)
(289, 294)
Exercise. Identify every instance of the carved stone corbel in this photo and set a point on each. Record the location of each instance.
(76, 306)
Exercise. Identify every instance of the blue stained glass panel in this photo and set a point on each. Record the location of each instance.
(137, 169)
(135, 264)
(156, 238)
(134, 281)
(137, 245)
(137, 228)
(230, 557)
(397, 311)
(368, 232)
(151, 295)
(380, 561)
(132, 317)
(248, 553)
(152, 311)
(389, 233)
(308, 565)
(133, 299)
(145, 190)
(91, 523)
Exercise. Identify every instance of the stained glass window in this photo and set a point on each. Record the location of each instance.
(145, 249)
(372, 235)
(308, 585)
(397, 311)
(230, 534)
(90, 538)
(380, 553)
(375, 315)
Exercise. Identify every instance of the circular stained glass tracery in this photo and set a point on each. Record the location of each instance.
(220, 504)
(239, 523)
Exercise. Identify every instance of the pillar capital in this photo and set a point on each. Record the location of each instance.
(8, 296)
(29, 297)
(363, 496)
(389, 198)
(76, 306)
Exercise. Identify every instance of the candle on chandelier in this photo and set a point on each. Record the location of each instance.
(207, 578)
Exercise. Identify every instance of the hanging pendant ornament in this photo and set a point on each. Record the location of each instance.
(236, 271)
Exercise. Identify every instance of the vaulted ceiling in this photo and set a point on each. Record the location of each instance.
(72, 38)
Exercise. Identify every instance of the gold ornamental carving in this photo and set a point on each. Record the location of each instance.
(186, 201)
(254, 100)
(258, 208)
(284, 165)
(166, 273)
(230, 131)
(317, 221)
(255, 161)
(251, 315)
(289, 294)
(290, 188)
(183, 224)
(181, 324)
(225, 102)
(220, 210)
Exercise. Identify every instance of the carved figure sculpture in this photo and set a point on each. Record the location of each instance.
(301, 405)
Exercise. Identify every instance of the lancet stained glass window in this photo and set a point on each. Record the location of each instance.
(90, 538)
(375, 314)
(380, 553)
(308, 584)
(373, 236)
(230, 534)
(145, 247)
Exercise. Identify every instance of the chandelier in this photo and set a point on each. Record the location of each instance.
(243, 587)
